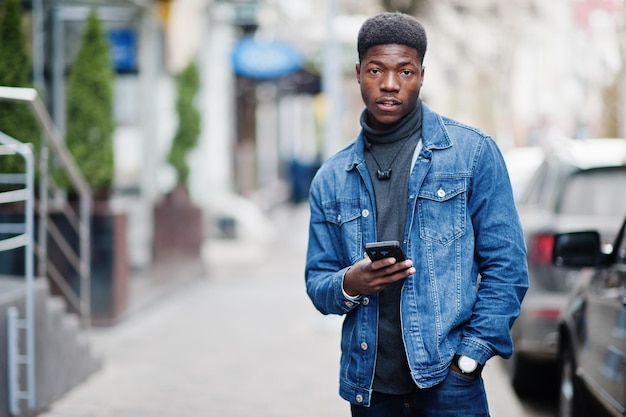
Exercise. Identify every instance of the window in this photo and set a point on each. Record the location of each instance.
(595, 192)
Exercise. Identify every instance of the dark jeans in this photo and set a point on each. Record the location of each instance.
(457, 396)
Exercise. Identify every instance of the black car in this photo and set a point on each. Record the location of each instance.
(592, 328)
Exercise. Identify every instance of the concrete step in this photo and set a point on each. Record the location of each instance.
(64, 355)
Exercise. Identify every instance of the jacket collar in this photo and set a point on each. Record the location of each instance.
(434, 136)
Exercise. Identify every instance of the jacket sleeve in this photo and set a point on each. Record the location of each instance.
(325, 264)
(500, 255)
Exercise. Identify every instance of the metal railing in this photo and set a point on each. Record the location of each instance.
(20, 332)
(80, 221)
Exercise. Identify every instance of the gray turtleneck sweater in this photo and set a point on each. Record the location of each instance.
(391, 149)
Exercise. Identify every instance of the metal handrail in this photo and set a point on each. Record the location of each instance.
(21, 332)
(52, 140)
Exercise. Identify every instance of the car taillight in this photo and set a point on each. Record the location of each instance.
(545, 313)
(540, 250)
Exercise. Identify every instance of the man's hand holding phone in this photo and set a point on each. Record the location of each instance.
(384, 265)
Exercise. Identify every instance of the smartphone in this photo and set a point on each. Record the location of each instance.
(386, 249)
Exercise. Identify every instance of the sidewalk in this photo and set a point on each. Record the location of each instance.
(242, 339)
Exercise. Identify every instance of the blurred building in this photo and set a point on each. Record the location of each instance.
(515, 68)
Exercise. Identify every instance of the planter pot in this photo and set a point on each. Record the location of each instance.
(178, 226)
(12, 261)
(109, 262)
(109, 267)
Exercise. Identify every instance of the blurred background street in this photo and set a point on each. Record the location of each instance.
(240, 339)
(155, 160)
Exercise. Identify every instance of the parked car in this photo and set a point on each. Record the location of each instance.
(579, 184)
(592, 328)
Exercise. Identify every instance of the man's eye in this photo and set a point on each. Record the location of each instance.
(374, 71)
(407, 72)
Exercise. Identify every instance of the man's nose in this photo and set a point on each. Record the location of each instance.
(390, 82)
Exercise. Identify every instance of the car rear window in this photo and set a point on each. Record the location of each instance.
(595, 192)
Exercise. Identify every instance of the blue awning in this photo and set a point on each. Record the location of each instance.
(265, 59)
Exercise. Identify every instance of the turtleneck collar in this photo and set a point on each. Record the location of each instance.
(400, 130)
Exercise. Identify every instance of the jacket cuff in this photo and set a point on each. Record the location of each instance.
(347, 302)
(475, 349)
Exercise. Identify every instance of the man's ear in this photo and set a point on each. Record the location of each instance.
(358, 72)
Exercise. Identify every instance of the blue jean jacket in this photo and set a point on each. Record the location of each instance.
(465, 240)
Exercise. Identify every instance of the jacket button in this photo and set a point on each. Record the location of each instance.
(359, 398)
(364, 346)
(349, 303)
(339, 218)
(365, 301)
(441, 193)
(365, 213)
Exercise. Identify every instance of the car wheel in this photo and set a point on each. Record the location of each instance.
(522, 375)
(572, 402)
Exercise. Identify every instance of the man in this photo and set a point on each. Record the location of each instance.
(416, 332)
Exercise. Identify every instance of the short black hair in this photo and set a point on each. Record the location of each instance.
(392, 27)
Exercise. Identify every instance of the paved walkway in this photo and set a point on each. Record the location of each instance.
(240, 340)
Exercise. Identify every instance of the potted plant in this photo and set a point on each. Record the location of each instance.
(178, 222)
(89, 138)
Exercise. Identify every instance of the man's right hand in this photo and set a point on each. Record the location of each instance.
(367, 277)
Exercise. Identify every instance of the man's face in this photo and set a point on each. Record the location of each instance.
(390, 77)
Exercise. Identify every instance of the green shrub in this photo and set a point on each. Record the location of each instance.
(16, 119)
(186, 137)
(90, 125)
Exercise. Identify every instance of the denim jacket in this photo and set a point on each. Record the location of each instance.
(465, 240)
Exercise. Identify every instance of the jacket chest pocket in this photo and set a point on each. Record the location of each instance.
(345, 215)
(441, 209)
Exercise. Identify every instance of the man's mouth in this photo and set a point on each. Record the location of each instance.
(387, 104)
